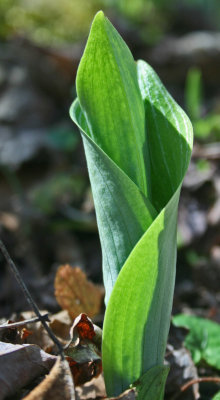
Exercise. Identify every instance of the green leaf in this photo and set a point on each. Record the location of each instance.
(137, 156)
(203, 340)
(136, 324)
(193, 93)
(169, 134)
(123, 213)
(217, 396)
(208, 127)
(110, 99)
(111, 117)
(137, 318)
(151, 385)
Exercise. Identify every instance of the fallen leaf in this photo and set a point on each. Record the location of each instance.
(84, 329)
(39, 335)
(182, 369)
(84, 372)
(75, 293)
(9, 334)
(84, 336)
(9, 221)
(25, 333)
(60, 323)
(20, 364)
(58, 385)
(95, 389)
(84, 350)
(91, 390)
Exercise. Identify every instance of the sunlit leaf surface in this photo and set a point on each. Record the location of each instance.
(138, 144)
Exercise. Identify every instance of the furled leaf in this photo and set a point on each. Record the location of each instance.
(148, 274)
(121, 222)
(169, 133)
(203, 339)
(117, 113)
(137, 222)
(103, 91)
(75, 293)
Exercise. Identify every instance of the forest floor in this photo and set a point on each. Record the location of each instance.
(47, 219)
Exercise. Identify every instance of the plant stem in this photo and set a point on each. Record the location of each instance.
(29, 298)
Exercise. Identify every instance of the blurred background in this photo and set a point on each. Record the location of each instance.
(46, 210)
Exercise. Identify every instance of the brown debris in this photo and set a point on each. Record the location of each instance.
(58, 385)
(20, 364)
(84, 372)
(60, 323)
(84, 350)
(75, 293)
(91, 390)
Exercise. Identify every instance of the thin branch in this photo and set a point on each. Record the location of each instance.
(198, 380)
(26, 321)
(187, 385)
(29, 298)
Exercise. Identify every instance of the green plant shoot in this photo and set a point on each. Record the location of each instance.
(138, 144)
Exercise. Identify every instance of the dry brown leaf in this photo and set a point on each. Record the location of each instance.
(84, 372)
(83, 329)
(25, 333)
(60, 323)
(75, 293)
(58, 385)
(91, 390)
(9, 334)
(20, 364)
(9, 221)
(84, 350)
(182, 369)
(39, 335)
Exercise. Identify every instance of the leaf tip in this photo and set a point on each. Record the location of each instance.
(99, 15)
(99, 19)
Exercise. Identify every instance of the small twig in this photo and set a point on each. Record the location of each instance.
(198, 380)
(193, 382)
(29, 298)
(26, 321)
